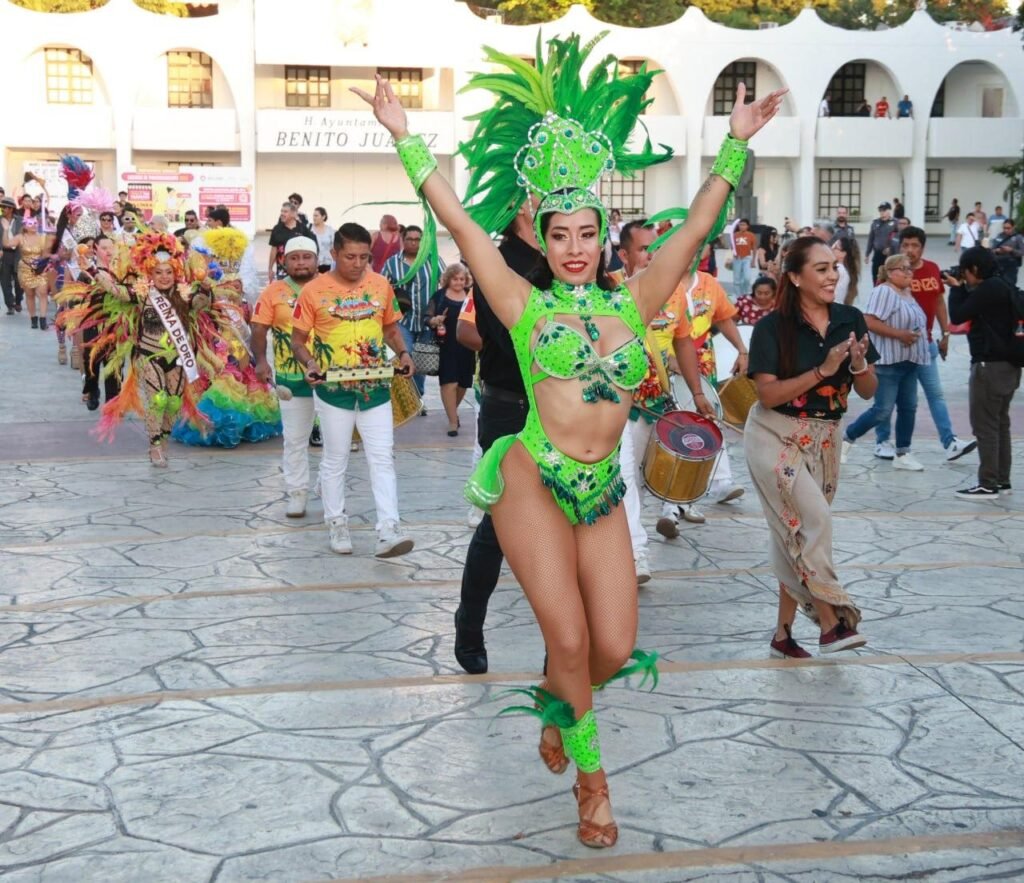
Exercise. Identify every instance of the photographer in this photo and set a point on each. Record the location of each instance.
(978, 294)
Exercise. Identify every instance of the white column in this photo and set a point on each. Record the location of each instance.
(915, 172)
(694, 156)
(803, 174)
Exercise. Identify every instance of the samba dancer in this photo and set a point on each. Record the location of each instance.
(805, 357)
(552, 490)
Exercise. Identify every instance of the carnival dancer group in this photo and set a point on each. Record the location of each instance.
(572, 374)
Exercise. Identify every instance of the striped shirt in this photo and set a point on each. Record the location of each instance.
(395, 268)
(903, 313)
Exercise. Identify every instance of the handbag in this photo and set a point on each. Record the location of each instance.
(426, 356)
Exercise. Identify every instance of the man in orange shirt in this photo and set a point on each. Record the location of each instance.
(744, 247)
(273, 313)
(353, 312)
(882, 109)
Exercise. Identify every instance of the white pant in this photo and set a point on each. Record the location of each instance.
(297, 414)
(723, 475)
(376, 426)
(631, 455)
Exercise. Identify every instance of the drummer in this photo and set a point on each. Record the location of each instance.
(273, 313)
(353, 312)
(670, 331)
(708, 305)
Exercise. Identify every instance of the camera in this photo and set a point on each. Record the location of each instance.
(952, 271)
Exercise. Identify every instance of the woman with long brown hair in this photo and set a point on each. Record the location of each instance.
(805, 357)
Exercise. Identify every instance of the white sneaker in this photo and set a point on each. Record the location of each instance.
(958, 447)
(391, 543)
(692, 514)
(341, 542)
(474, 516)
(296, 507)
(907, 461)
(885, 451)
(729, 493)
(643, 568)
(844, 450)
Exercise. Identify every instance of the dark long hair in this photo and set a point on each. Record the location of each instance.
(787, 302)
(63, 222)
(542, 277)
(770, 252)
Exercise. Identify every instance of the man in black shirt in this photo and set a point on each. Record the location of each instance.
(503, 409)
(882, 229)
(984, 298)
(286, 228)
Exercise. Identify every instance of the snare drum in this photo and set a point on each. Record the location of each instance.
(738, 395)
(684, 399)
(681, 456)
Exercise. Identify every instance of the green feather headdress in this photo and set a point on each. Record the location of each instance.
(553, 133)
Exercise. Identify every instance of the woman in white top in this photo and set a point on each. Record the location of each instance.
(324, 234)
(897, 326)
(847, 254)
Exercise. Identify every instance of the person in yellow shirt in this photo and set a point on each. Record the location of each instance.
(273, 314)
(670, 330)
(353, 313)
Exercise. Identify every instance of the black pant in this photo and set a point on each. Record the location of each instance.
(877, 259)
(991, 390)
(9, 277)
(91, 385)
(498, 417)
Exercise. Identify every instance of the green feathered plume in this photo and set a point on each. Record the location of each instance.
(604, 102)
(680, 214)
(547, 707)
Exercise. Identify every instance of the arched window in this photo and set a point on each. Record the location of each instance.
(732, 75)
(68, 76)
(189, 79)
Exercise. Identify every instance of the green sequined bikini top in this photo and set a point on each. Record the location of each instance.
(563, 352)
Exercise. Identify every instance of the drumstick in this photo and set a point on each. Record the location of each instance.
(664, 417)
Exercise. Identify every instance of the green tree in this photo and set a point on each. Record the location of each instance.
(1014, 192)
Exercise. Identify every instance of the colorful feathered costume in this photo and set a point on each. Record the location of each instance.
(237, 406)
(132, 340)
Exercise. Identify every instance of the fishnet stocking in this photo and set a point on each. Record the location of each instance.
(580, 581)
(156, 377)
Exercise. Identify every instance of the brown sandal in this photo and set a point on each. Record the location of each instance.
(590, 833)
(553, 755)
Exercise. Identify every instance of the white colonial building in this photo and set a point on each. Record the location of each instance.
(263, 85)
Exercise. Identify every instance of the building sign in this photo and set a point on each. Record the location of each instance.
(171, 193)
(346, 131)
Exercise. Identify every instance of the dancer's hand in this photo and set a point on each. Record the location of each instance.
(859, 353)
(263, 371)
(747, 120)
(837, 355)
(386, 108)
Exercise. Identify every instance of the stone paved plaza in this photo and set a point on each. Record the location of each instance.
(194, 688)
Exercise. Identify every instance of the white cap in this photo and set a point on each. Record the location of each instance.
(300, 243)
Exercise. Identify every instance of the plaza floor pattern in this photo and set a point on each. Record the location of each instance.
(192, 688)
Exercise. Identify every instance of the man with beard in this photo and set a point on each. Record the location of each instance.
(274, 313)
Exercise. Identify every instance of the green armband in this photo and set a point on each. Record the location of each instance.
(731, 159)
(581, 744)
(419, 162)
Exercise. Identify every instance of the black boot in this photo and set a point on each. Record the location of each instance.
(316, 440)
(470, 651)
(42, 323)
(35, 321)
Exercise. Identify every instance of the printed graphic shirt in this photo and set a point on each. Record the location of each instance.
(274, 309)
(349, 321)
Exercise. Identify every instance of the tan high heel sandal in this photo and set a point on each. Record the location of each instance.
(157, 457)
(591, 833)
(553, 755)
(76, 358)
(62, 355)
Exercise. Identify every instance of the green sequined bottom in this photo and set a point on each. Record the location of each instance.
(583, 491)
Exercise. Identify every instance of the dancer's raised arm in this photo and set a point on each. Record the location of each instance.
(508, 291)
(654, 285)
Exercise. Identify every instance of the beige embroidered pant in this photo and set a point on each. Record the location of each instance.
(794, 466)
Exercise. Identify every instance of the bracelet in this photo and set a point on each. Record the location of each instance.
(862, 370)
(698, 393)
(945, 334)
(419, 162)
(402, 353)
(731, 160)
(818, 375)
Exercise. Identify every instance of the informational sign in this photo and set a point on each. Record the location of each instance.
(171, 193)
(346, 131)
(56, 191)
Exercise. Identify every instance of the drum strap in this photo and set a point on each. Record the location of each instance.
(659, 362)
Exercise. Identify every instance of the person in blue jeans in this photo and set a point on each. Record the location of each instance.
(928, 290)
(896, 324)
(413, 295)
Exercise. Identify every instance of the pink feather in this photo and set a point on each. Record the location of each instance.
(97, 200)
